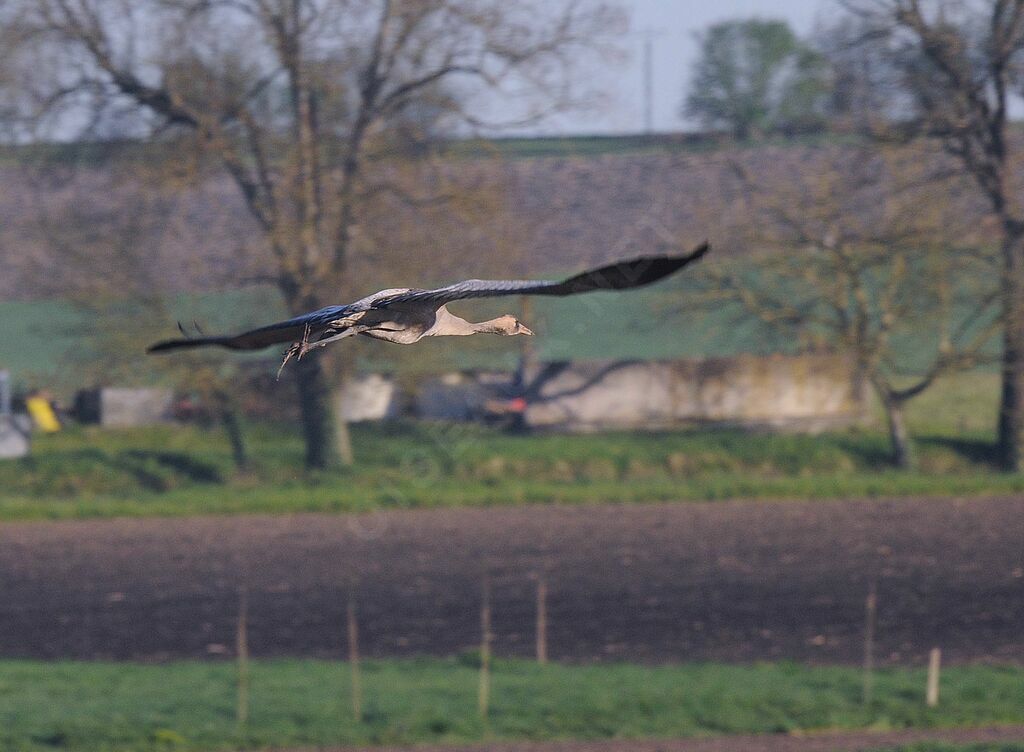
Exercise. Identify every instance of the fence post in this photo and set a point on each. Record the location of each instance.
(353, 659)
(242, 654)
(484, 692)
(932, 688)
(542, 619)
(870, 612)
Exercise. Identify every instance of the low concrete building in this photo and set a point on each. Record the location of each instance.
(801, 393)
(370, 397)
(807, 393)
(124, 407)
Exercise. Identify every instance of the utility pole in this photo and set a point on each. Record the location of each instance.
(649, 81)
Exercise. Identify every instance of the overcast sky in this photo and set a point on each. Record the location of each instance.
(674, 24)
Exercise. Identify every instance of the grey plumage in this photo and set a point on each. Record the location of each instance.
(405, 315)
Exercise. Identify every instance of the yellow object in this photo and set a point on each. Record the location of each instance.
(42, 414)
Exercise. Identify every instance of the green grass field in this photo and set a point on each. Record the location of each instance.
(192, 706)
(54, 343)
(514, 147)
(179, 470)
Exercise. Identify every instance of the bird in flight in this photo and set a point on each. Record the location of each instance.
(406, 315)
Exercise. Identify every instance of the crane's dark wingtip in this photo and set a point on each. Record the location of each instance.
(187, 340)
(699, 251)
(644, 271)
(170, 344)
(688, 258)
(625, 275)
(181, 344)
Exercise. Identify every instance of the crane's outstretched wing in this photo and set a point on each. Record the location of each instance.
(622, 275)
(292, 330)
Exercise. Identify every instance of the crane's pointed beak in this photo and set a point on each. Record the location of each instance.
(520, 329)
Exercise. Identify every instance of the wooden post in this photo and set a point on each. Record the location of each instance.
(542, 620)
(870, 612)
(242, 654)
(353, 659)
(932, 690)
(484, 693)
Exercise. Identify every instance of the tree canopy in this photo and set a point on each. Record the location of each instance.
(756, 76)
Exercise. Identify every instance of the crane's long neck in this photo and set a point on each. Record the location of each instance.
(447, 324)
(492, 326)
(459, 327)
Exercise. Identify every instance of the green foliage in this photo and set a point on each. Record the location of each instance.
(190, 706)
(756, 76)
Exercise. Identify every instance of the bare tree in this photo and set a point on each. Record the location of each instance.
(865, 271)
(959, 66)
(300, 100)
(94, 232)
(12, 38)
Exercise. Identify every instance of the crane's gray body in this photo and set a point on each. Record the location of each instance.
(405, 315)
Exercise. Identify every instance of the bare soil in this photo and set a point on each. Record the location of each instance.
(736, 582)
(824, 742)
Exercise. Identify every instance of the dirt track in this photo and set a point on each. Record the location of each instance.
(829, 742)
(774, 743)
(725, 581)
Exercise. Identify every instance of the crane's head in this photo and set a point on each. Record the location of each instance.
(508, 325)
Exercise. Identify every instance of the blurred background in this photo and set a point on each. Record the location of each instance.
(776, 494)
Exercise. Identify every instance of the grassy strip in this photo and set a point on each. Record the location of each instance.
(342, 496)
(191, 706)
(89, 472)
(168, 471)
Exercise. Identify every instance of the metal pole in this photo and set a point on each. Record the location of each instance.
(649, 82)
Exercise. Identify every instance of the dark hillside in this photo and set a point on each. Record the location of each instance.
(531, 215)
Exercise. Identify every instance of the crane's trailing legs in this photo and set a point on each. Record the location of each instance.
(303, 346)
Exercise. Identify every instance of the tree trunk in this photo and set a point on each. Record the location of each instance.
(342, 436)
(902, 448)
(317, 416)
(1011, 406)
(233, 428)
